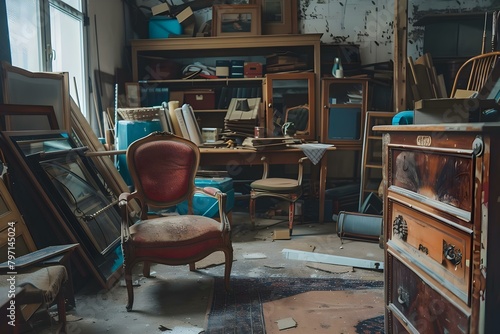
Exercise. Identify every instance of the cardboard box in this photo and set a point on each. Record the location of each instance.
(451, 110)
(210, 135)
(236, 69)
(187, 21)
(200, 99)
(281, 234)
(162, 8)
(252, 70)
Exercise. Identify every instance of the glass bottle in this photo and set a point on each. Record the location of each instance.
(335, 66)
(337, 70)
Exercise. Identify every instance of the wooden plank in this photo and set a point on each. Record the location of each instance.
(400, 53)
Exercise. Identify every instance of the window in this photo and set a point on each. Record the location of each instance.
(49, 35)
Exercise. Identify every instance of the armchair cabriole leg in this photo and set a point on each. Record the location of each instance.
(146, 269)
(228, 266)
(130, 291)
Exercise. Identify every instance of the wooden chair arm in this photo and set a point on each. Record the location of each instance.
(221, 198)
(301, 169)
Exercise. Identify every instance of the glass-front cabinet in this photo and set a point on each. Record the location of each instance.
(290, 98)
(344, 107)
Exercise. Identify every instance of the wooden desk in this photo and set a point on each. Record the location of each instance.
(234, 158)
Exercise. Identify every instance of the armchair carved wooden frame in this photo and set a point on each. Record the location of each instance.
(163, 168)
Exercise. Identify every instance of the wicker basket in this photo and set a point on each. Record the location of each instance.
(139, 114)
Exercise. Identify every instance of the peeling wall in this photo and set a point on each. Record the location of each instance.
(370, 23)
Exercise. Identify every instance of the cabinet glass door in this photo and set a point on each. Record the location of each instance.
(344, 108)
(289, 97)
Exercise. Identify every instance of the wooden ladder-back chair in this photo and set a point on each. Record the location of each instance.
(163, 168)
(287, 189)
(478, 70)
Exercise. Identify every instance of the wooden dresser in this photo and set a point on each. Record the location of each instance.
(442, 228)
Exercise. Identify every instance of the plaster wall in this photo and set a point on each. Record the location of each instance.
(371, 23)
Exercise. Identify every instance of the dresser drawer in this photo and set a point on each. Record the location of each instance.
(419, 305)
(443, 177)
(442, 251)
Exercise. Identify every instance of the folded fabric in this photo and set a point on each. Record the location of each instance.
(314, 151)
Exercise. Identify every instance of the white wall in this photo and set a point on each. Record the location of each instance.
(110, 43)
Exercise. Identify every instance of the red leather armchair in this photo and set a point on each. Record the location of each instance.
(163, 168)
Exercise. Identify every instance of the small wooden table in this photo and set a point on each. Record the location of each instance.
(233, 158)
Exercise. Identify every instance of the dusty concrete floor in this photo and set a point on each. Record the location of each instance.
(178, 299)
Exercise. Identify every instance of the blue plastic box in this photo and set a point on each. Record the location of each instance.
(128, 132)
(205, 205)
(163, 27)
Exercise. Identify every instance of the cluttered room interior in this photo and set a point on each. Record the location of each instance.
(249, 166)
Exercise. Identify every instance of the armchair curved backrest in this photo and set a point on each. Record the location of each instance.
(472, 75)
(163, 168)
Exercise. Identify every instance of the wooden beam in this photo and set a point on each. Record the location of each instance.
(400, 53)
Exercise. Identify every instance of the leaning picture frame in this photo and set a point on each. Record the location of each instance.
(236, 20)
(36, 88)
(278, 16)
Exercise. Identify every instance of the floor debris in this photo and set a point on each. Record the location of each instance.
(286, 323)
(332, 259)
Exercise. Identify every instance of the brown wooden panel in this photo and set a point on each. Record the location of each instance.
(424, 308)
(443, 177)
(436, 246)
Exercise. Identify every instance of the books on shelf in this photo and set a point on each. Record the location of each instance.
(183, 122)
(193, 129)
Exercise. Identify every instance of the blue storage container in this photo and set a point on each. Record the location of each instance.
(205, 205)
(128, 132)
(163, 27)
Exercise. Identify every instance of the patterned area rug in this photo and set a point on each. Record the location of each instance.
(241, 311)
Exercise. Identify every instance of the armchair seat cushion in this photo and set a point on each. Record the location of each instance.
(175, 237)
(276, 184)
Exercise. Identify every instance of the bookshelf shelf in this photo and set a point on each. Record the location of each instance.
(155, 60)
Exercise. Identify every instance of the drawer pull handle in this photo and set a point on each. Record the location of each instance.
(400, 227)
(452, 254)
(403, 296)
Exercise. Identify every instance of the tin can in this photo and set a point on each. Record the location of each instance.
(259, 132)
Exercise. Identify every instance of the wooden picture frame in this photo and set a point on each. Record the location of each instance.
(278, 16)
(43, 117)
(36, 88)
(236, 20)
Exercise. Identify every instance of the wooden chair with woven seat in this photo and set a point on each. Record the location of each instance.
(163, 168)
(474, 73)
(287, 189)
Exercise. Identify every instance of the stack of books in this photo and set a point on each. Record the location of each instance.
(241, 117)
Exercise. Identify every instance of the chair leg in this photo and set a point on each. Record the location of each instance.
(146, 269)
(227, 269)
(192, 266)
(130, 291)
(291, 216)
(61, 310)
(251, 208)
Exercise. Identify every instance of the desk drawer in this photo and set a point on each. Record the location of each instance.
(445, 178)
(420, 305)
(441, 250)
